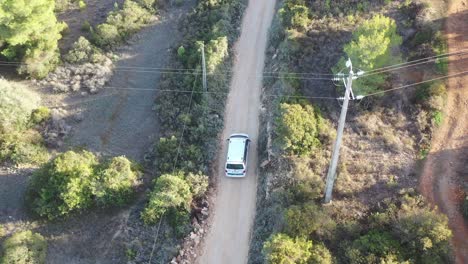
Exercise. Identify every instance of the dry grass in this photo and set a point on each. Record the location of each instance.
(377, 155)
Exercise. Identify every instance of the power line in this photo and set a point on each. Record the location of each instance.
(185, 124)
(266, 74)
(425, 60)
(414, 84)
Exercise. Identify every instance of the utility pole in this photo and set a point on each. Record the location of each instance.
(336, 149)
(204, 67)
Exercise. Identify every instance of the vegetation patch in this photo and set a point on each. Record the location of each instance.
(75, 181)
(20, 114)
(24, 247)
(376, 216)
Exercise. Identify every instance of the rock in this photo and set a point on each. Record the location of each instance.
(192, 235)
(204, 211)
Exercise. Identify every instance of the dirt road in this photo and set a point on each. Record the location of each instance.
(445, 167)
(229, 237)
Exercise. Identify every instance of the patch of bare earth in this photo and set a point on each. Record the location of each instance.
(445, 169)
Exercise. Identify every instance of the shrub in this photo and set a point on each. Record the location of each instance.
(148, 4)
(297, 129)
(281, 249)
(307, 219)
(25, 147)
(86, 26)
(373, 46)
(16, 105)
(83, 51)
(423, 232)
(216, 52)
(115, 182)
(465, 206)
(18, 109)
(120, 24)
(107, 35)
(170, 191)
(320, 255)
(432, 96)
(198, 184)
(373, 247)
(30, 33)
(294, 14)
(40, 115)
(24, 248)
(63, 185)
(81, 4)
(74, 181)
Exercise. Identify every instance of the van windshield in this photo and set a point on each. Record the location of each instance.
(235, 166)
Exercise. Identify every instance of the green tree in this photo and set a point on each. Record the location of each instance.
(281, 249)
(24, 248)
(375, 44)
(297, 129)
(29, 31)
(170, 191)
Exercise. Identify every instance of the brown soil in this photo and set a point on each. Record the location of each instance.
(443, 171)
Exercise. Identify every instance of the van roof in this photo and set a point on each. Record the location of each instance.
(236, 149)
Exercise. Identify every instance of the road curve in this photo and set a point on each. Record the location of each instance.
(445, 165)
(229, 236)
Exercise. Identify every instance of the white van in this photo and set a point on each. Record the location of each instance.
(238, 149)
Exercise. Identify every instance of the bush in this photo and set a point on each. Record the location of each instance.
(297, 129)
(373, 247)
(63, 185)
(424, 233)
(25, 147)
(30, 33)
(19, 143)
(465, 206)
(198, 184)
(40, 115)
(294, 14)
(320, 255)
(115, 182)
(81, 4)
(281, 249)
(16, 105)
(83, 51)
(121, 24)
(307, 219)
(170, 191)
(74, 181)
(432, 96)
(373, 46)
(24, 248)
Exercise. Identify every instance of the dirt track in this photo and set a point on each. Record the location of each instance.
(229, 237)
(445, 166)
